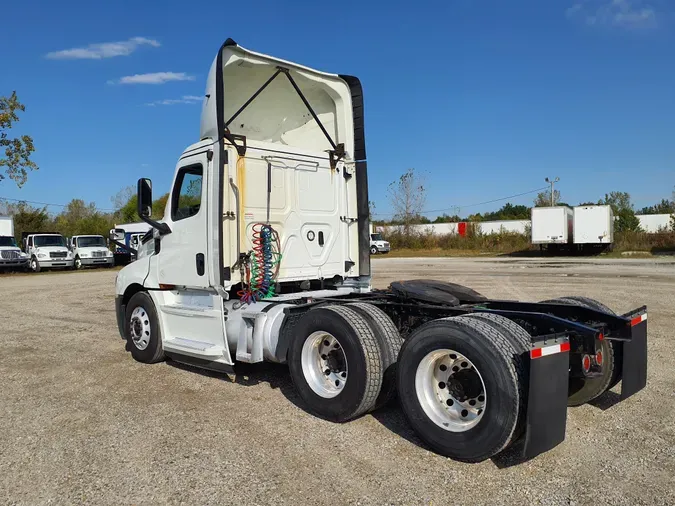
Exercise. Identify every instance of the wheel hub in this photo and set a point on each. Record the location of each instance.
(324, 364)
(139, 327)
(450, 390)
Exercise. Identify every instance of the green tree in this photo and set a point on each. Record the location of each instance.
(128, 211)
(15, 161)
(624, 214)
(509, 212)
(447, 219)
(544, 198)
(27, 218)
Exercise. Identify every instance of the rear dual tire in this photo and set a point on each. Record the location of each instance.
(494, 378)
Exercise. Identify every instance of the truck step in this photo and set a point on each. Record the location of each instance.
(199, 348)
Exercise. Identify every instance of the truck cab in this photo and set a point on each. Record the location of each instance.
(47, 251)
(11, 256)
(90, 250)
(378, 244)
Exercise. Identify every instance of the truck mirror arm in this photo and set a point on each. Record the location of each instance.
(162, 228)
(123, 246)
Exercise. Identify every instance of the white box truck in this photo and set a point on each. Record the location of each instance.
(11, 256)
(263, 254)
(593, 226)
(90, 250)
(552, 227)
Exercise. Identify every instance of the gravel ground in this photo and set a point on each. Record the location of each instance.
(82, 422)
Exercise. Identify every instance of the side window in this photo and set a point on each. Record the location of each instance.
(187, 196)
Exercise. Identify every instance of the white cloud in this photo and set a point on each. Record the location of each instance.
(629, 14)
(103, 50)
(185, 99)
(154, 78)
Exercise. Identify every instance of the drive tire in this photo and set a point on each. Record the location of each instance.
(617, 347)
(583, 390)
(361, 351)
(34, 264)
(153, 351)
(492, 354)
(390, 342)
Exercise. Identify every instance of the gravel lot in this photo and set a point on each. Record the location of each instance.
(82, 422)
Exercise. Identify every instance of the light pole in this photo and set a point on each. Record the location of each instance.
(552, 182)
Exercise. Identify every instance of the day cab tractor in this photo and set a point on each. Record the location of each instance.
(263, 254)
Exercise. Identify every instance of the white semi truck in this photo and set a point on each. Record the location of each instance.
(263, 254)
(11, 256)
(90, 250)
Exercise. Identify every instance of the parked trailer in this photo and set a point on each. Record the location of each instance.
(593, 226)
(127, 239)
(552, 227)
(263, 255)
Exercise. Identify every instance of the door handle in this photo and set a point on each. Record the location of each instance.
(200, 263)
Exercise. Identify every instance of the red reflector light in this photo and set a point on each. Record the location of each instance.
(166, 287)
(601, 336)
(586, 363)
(598, 358)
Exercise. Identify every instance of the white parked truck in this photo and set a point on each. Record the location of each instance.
(593, 226)
(90, 250)
(47, 251)
(263, 254)
(11, 256)
(552, 227)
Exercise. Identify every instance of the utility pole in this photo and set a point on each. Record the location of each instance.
(552, 182)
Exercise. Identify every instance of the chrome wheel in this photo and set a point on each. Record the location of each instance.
(33, 264)
(324, 364)
(78, 263)
(139, 325)
(450, 390)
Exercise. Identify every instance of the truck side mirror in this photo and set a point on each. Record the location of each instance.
(144, 193)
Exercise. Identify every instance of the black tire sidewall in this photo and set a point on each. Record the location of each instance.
(153, 351)
(343, 406)
(499, 420)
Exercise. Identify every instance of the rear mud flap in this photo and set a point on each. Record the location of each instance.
(547, 399)
(634, 372)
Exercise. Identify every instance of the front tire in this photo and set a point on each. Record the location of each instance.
(373, 250)
(34, 264)
(77, 265)
(335, 363)
(142, 331)
(460, 388)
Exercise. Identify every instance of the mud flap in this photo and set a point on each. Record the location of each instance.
(547, 398)
(634, 372)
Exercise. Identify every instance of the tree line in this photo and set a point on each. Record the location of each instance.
(407, 196)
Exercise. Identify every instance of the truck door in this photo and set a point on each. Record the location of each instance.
(182, 260)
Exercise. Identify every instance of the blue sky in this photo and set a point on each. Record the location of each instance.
(485, 97)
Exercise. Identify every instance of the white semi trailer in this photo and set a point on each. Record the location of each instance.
(552, 227)
(263, 254)
(593, 227)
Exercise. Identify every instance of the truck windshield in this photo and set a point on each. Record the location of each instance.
(88, 242)
(49, 240)
(7, 241)
(375, 237)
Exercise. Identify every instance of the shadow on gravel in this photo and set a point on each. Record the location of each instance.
(606, 400)
(393, 419)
